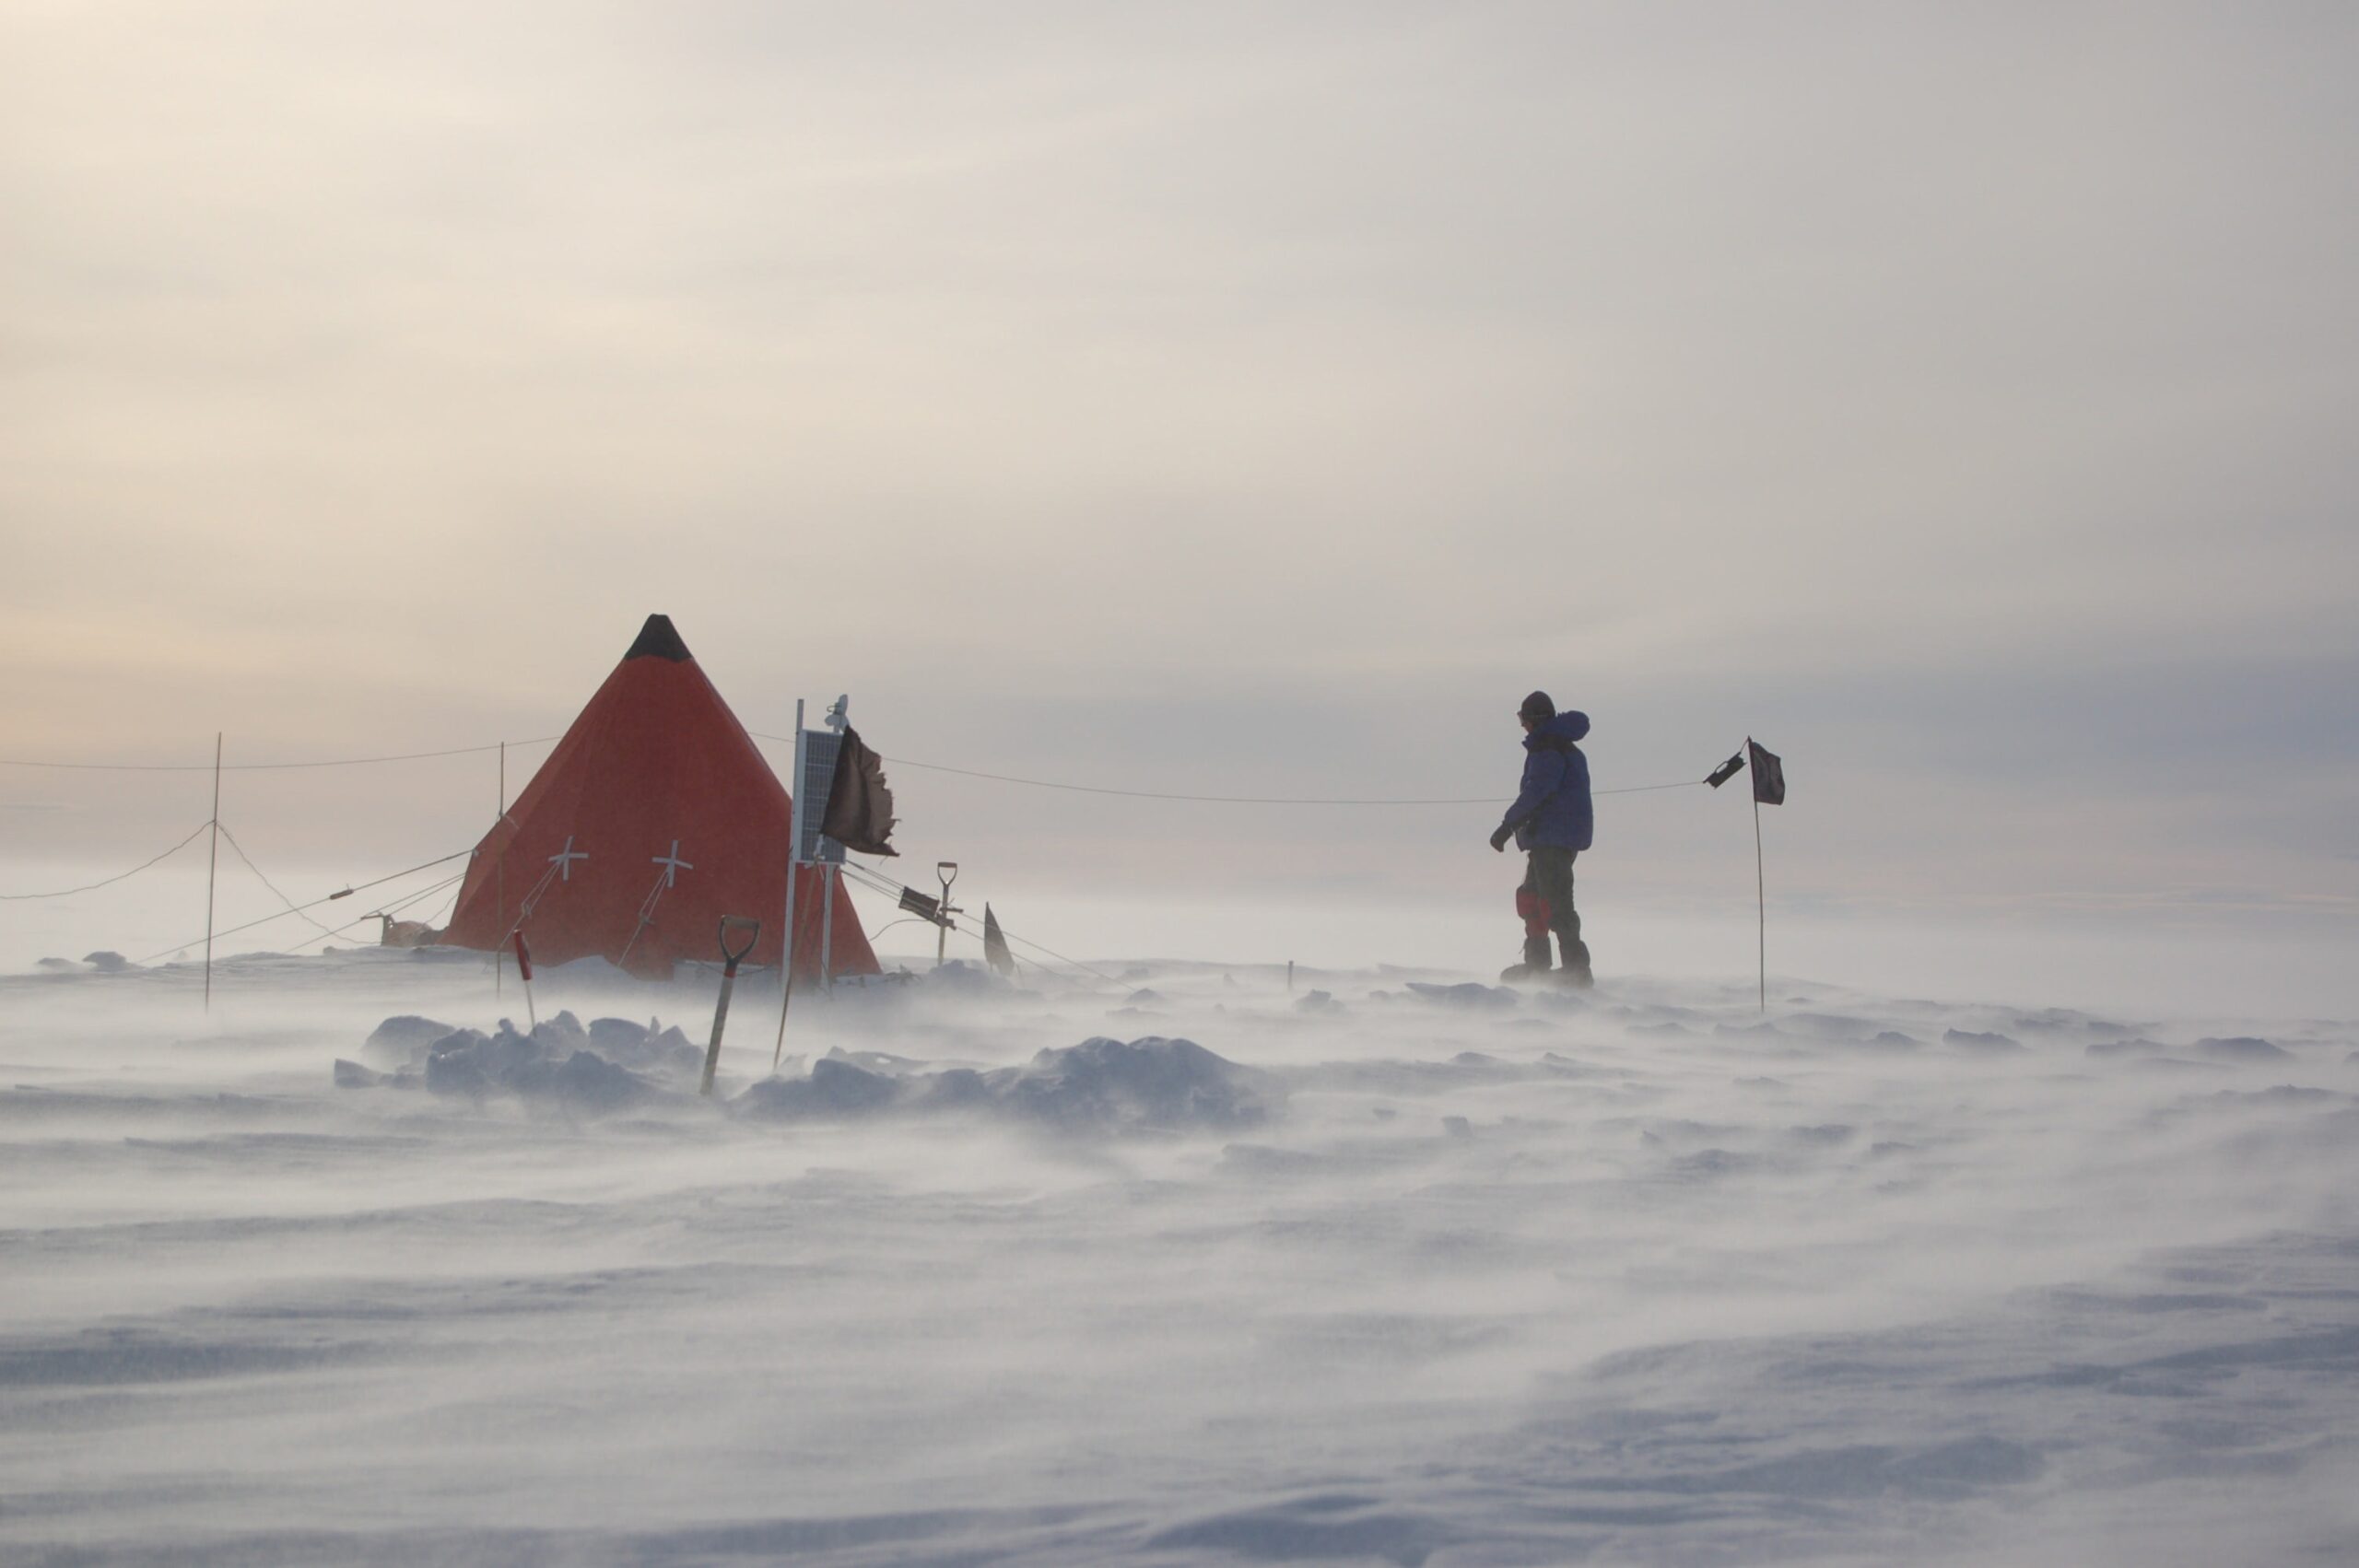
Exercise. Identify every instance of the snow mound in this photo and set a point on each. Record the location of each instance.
(1468, 994)
(1100, 1087)
(959, 979)
(2242, 1048)
(102, 962)
(404, 1041)
(1150, 1082)
(614, 1064)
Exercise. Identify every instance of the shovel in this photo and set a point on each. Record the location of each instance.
(730, 957)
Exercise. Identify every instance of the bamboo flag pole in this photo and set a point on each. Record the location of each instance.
(1761, 903)
(499, 890)
(793, 869)
(212, 864)
(1768, 771)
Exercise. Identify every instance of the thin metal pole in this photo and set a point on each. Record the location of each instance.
(212, 863)
(827, 928)
(1761, 903)
(786, 963)
(499, 891)
(793, 867)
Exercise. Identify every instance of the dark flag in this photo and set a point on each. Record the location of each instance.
(1726, 771)
(859, 803)
(995, 953)
(524, 959)
(1768, 774)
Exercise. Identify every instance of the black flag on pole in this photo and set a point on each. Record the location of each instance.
(1726, 771)
(859, 803)
(1768, 774)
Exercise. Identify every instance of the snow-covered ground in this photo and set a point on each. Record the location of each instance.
(1418, 1271)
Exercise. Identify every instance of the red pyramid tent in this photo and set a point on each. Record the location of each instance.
(654, 816)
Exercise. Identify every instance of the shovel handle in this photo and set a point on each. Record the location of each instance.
(733, 956)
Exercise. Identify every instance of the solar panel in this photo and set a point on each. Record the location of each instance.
(819, 749)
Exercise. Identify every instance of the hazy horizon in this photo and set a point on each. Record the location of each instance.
(1218, 400)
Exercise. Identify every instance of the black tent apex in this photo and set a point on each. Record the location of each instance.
(658, 640)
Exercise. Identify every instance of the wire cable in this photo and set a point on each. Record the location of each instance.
(1645, 789)
(1228, 800)
(1170, 795)
(787, 740)
(260, 766)
(68, 892)
(877, 881)
(1072, 963)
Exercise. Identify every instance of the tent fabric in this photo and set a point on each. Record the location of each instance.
(654, 816)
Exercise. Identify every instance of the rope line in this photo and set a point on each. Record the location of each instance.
(68, 893)
(326, 930)
(877, 881)
(1228, 800)
(789, 740)
(450, 906)
(646, 912)
(1171, 795)
(260, 766)
(393, 909)
(267, 920)
(1072, 962)
(532, 901)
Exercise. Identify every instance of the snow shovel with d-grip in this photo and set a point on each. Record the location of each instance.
(729, 958)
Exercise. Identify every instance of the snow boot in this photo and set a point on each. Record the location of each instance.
(1575, 976)
(1535, 959)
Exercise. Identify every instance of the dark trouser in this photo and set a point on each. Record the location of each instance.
(1548, 874)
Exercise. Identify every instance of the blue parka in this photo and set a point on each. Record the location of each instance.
(1553, 808)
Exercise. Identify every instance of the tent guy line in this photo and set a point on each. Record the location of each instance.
(260, 876)
(262, 767)
(448, 884)
(878, 883)
(267, 920)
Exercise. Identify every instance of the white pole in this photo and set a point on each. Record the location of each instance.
(212, 862)
(499, 891)
(794, 867)
(827, 928)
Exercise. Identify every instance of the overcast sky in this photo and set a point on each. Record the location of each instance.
(1233, 398)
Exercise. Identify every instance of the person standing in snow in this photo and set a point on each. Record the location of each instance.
(1551, 822)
